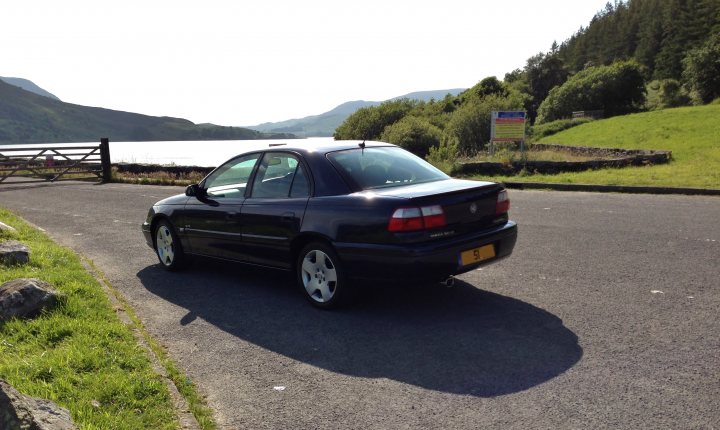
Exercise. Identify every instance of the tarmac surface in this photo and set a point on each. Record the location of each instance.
(605, 316)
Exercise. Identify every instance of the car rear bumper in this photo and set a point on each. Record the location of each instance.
(425, 262)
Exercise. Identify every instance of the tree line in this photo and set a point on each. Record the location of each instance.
(634, 55)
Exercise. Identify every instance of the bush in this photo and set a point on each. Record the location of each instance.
(666, 93)
(368, 123)
(444, 156)
(702, 69)
(415, 134)
(469, 126)
(616, 89)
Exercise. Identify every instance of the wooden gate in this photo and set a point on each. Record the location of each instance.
(53, 162)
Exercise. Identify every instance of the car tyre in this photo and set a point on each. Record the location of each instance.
(168, 247)
(321, 276)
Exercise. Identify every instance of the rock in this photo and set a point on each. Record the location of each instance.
(22, 412)
(5, 227)
(14, 252)
(25, 298)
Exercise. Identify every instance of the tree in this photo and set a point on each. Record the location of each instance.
(415, 134)
(542, 73)
(616, 89)
(469, 127)
(702, 69)
(368, 123)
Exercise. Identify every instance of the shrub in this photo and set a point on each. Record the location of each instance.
(368, 123)
(469, 126)
(616, 89)
(444, 156)
(415, 134)
(702, 69)
(666, 93)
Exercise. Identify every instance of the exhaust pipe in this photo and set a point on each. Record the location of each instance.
(449, 282)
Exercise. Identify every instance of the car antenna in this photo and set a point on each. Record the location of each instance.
(362, 146)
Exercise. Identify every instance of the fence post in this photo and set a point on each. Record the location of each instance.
(105, 159)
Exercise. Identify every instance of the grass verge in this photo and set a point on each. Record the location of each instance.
(80, 355)
(691, 133)
(157, 178)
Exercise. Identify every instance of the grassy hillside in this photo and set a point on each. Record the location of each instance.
(691, 133)
(26, 117)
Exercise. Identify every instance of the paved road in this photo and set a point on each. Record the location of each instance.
(606, 316)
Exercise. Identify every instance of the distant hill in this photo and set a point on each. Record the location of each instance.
(325, 124)
(28, 86)
(26, 117)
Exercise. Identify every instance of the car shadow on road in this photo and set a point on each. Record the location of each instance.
(462, 340)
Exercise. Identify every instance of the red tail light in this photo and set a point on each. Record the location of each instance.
(416, 218)
(502, 204)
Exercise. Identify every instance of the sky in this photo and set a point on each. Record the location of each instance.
(241, 63)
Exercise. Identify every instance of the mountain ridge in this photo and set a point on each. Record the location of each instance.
(27, 117)
(28, 85)
(324, 124)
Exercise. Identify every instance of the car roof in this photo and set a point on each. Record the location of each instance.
(324, 146)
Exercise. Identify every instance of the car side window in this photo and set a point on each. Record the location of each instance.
(276, 177)
(230, 180)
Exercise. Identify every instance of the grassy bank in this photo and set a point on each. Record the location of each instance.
(691, 133)
(80, 354)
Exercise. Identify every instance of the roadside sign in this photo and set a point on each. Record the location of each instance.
(507, 126)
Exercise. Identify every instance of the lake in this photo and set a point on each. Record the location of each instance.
(205, 153)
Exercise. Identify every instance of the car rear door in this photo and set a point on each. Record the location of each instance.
(272, 214)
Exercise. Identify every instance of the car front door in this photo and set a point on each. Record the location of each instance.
(272, 214)
(212, 221)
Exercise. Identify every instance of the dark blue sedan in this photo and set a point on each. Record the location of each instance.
(338, 214)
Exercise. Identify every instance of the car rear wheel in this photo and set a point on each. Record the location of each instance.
(321, 276)
(168, 247)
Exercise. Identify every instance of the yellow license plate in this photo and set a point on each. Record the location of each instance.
(477, 254)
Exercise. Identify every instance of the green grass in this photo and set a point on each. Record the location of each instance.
(691, 133)
(79, 355)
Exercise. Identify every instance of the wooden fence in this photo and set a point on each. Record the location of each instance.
(53, 162)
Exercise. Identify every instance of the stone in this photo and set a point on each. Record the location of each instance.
(5, 227)
(18, 411)
(26, 298)
(14, 252)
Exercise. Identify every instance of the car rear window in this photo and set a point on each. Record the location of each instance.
(382, 167)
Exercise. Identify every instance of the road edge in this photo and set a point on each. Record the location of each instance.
(126, 314)
(630, 189)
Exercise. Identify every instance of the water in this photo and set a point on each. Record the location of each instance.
(206, 153)
(191, 153)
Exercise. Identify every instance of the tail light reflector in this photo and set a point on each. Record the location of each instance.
(502, 204)
(416, 218)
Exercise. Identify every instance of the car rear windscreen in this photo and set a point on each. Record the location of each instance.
(381, 167)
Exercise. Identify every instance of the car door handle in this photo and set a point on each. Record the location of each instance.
(288, 217)
(231, 216)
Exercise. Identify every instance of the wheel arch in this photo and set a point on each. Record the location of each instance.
(153, 225)
(302, 240)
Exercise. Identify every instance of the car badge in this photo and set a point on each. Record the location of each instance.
(473, 208)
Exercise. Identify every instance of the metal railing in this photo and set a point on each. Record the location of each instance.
(53, 162)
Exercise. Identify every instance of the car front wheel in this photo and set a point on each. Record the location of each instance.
(321, 276)
(168, 247)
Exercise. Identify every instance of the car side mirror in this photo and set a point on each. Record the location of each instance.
(194, 190)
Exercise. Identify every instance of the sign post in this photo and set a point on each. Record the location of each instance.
(508, 126)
